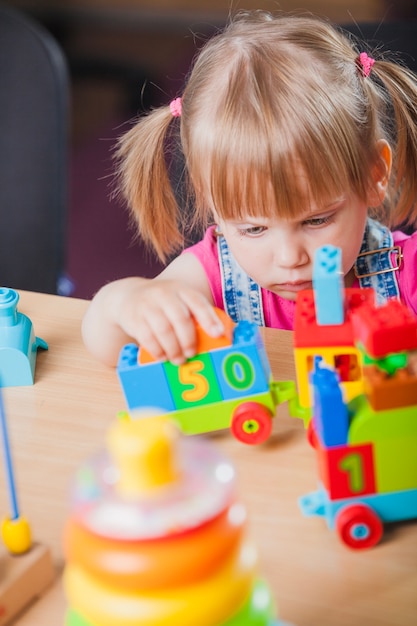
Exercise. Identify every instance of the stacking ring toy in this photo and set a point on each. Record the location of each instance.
(172, 561)
(205, 603)
(259, 610)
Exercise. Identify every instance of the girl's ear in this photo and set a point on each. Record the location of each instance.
(380, 174)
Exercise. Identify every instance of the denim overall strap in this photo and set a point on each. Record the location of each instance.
(374, 266)
(242, 297)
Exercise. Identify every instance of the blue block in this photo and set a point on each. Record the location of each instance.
(18, 344)
(144, 386)
(239, 371)
(330, 412)
(328, 286)
(247, 334)
(390, 507)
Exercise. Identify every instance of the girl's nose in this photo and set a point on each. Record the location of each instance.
(290, 254)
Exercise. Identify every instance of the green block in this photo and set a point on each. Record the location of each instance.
(389, 364)
(396, 464)
(217, 416)
(393, 433)
(194, 383)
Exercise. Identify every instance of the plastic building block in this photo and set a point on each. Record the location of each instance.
(389, 392)
(386, 329)
(18, 344)
(164, 543)
(389, 364)
(143, 386)
(308, 333)
(194, 382)
(330, 414)
(334, 357)
(393, 433)
(328, 286)
(204, 394)
(247, 334)
(240, 372)
(390, 507)
(205, 342)
(346, 471)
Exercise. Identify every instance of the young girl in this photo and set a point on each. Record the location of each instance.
(292, 138)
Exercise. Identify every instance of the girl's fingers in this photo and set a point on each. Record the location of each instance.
(169, 333)
(165, 324)
(203, 313)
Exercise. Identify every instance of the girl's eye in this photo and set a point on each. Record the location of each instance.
(252, 231)
(317, 221)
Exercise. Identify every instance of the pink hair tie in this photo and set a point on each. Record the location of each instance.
(365, 63)
(176, 107)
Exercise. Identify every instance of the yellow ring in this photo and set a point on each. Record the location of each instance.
(207, 602)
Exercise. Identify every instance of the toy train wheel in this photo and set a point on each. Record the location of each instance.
(359, 526)
(251, 423)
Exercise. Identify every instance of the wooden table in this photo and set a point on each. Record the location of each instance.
(62, 419)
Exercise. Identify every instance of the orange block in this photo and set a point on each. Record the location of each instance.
(205, 342)
(389, 392)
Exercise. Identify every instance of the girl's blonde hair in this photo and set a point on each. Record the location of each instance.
(276, 112)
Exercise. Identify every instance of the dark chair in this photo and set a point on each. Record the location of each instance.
(34, 128)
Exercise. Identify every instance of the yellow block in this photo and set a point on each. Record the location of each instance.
(304, 363)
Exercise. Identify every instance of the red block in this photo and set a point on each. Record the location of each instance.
(347, 471)
(308, 334)
(386, 329)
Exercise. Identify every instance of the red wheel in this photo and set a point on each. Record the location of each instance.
(251, 423)
(311, 434)
(359, 526)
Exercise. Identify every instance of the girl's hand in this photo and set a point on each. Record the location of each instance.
(161, 316)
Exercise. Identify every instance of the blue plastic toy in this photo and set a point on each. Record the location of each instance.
(328, 285)
(18, 343)
(330, 415)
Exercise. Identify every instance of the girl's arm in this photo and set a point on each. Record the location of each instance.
(158, 313)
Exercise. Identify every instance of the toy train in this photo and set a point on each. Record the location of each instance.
(356, 390)
(227, 384)
(367, 447)
(358, 372)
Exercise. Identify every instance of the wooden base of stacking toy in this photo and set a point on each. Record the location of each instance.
(23, 579)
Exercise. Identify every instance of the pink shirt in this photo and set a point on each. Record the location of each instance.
(278, 312)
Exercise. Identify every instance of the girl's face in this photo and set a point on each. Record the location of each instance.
(278, 253)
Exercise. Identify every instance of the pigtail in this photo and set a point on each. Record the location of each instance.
(143, 181)
(401, 86)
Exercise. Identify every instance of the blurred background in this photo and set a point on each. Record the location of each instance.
(125, 56)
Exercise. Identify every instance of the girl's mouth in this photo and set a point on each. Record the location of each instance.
(294, 287)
